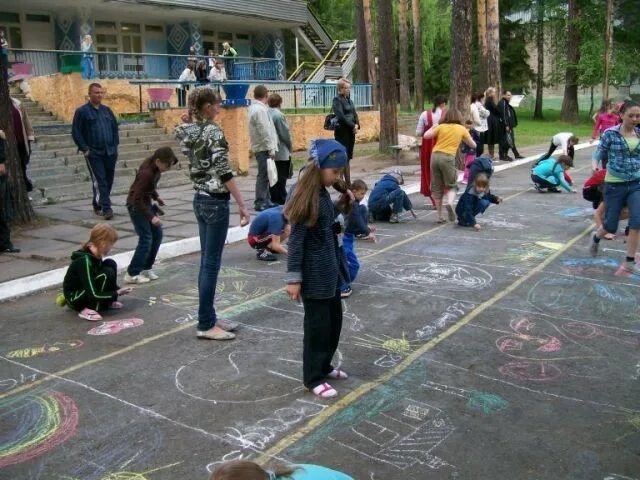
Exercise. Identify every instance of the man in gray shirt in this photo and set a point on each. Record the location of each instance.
(264, 144)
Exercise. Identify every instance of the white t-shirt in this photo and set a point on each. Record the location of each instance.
(421, 128)
(187, 75)
(561, 140)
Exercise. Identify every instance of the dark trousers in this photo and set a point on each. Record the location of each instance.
(229, 66)
(106, 283)
(149, 240)
(480, 145)
(393, 202)
(102, 168)
(23, 153)
(346, 137)
(263, 198)
(5, 233)
(279, 191)
(508, 142)
(182, 96)
(322, 326)
(542, 183)
(552, 148)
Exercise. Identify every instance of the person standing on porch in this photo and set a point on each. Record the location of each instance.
(283, 154)
(264, 144)
(88, 69)
(229, 54)
(428, 119)
(95, 132)
(348, 122)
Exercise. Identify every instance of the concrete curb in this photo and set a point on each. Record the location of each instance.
(44, 280)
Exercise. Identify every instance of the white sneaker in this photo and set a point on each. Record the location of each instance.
(150, 274)
(138, 279)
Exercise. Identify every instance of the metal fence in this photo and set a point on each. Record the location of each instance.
(295, 96)
(137, 65)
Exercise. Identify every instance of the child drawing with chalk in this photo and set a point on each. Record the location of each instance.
(475, 201)
(90, 284)
(246, 470)
(550, 174)
(145, 216)
(267, 233)
(313, 263)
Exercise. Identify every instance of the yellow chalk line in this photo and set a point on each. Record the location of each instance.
(365, 388)
(185, 326)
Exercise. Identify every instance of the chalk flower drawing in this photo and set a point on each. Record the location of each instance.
(446, 275)
(115, 326)
(33, 424)
(398, 346)
(486, 402)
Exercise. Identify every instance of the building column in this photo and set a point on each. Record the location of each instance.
(270, 45)
(67, 31)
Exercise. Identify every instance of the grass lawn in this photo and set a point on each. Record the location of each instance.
(537, 132)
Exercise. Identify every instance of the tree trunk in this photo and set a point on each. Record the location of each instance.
(608, 45)
(591, 105)
(569, 112)
(417, 55)
(482, 45)
(361, 45)
(405, 99)
(461, 25)
(387, 65)
(373, 74)
(494, 75)
(18, 209)
(537, 114)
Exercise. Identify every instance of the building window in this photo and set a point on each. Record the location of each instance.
(103, 39)
(130, 27)
(208, 33)
(154, 28)
(102, 25)
(222, 36)
(8, 17)
(38, 18)
(242, 36)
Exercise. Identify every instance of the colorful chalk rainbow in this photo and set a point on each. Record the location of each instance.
(42, 422)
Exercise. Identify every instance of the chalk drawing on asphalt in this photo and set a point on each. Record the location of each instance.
(45, 349)
(115, 326)
(485, 402)
(445, 275)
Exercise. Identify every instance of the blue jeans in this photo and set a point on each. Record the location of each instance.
(398, 200)
(616, 197)
(149, 240)
(102, 168)
(353, 264)
(88, 71)
(212, 214)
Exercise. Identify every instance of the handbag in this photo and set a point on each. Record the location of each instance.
(330, 122)
(272, 171)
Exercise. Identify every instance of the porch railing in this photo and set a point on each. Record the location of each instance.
(138, 65)
(295, 96)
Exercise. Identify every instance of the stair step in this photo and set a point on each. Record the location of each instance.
(65, 141)
(71, 180)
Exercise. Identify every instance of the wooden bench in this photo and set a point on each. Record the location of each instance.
(396, 149)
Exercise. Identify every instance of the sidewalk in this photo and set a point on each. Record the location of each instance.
(63, 227)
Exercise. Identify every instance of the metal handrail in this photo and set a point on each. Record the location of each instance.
(325, 59)
(96, 52)
(349, 50)
(300, 68)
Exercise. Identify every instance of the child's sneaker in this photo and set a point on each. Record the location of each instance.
(116, 305)
(325, 391)
(137, 279)
(394, 218)
(631, 267)
(593, 248)
(346, 293)
(553, 190)
(91, 315)
(266, 256)
(150, 274)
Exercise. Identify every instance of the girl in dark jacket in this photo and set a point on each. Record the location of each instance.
(90, 284)
(348, 122)
(313, 263)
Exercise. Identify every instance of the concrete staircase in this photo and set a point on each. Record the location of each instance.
(60, 173)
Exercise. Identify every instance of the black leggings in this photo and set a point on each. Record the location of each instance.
(278, 192)
(346, 137)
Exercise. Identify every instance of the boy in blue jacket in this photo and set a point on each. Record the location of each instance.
(475, 201)
(387, 200)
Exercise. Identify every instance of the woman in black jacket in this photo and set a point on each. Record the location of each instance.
(348, 122)
(494, 133)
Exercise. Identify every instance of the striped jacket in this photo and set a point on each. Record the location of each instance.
(313, 253)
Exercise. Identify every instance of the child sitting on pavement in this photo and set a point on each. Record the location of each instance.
(387, 200)
(267, 233)
(90, 284)
(549, 175)
(357, 221)
(474, 201)
(247, 470)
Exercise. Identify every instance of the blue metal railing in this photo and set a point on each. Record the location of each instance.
(137, 65)
(295, 95)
